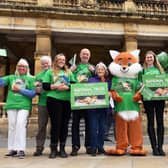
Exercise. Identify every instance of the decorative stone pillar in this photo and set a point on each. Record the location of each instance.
(130, 37)
(45, 3)
(129, 6)
(43, 47)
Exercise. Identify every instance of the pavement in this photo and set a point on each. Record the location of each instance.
(82, 160)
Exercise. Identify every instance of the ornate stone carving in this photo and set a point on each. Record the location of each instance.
(89, 4)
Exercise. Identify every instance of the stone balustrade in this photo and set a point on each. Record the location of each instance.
(154, 7)
(20, 2)
(140, 8)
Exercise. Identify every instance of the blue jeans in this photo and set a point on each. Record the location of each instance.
(97, 124)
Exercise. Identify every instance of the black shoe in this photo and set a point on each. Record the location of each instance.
(88, 150)
(156, 152)
(63, 154)
(74, 151)
(53, 154)
(92, 152)
(161, 152)
(20, 155)
(11, 153)
(38, 152)
(101, 151)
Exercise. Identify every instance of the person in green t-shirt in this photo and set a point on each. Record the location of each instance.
(154, 107)
(18, 105)
(82, 72)
(45, 62)
(57, 82)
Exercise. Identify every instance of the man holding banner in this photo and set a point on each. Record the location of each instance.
(82, 72)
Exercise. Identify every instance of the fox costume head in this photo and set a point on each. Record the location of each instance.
(125, 64)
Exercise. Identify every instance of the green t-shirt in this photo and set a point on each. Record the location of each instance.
(61, 77)
(82, 73)
(43, 93)
(17, 100)
(151, 71)
(126, 88)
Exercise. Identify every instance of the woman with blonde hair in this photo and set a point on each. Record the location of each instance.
(57, 82)
(18, 105)
(154, 107)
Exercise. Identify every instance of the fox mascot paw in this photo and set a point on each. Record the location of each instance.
(137, 152)
(117, 152)
(116, 97)
(137, 97)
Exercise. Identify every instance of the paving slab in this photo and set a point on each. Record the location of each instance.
(83, 160)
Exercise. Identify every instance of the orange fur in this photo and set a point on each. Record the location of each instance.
(116, 97)
(124, 59)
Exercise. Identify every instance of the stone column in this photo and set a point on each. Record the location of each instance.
(43, 47)
(130, 37)
(129, 6)
(45, 3)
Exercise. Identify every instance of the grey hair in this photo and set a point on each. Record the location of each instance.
(46, 58)
(25, 63)
(104, 66)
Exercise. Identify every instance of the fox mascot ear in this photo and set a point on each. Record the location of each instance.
(114, 53)
(135, 53)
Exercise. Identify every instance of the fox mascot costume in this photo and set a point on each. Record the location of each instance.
(125, 69)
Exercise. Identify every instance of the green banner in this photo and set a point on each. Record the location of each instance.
(155, 87)
(89, 96)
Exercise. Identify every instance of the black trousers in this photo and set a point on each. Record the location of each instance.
(155, 109)
(59, 113)
(77, 115)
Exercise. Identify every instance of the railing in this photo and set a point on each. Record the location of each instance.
(113, 5)
(152, 7)
(66, 3)
(19, 2)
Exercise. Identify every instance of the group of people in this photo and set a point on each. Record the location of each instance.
(52, 85)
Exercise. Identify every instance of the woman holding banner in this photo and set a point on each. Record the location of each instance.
(97, 117)
(57, 82)
(154, 107)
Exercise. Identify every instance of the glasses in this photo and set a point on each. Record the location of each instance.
(59, 59)
(22, 66)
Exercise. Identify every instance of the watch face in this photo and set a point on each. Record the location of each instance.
(61, 79)
(20, 83)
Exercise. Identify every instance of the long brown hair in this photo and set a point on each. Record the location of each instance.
(155, 63)
(56, 69)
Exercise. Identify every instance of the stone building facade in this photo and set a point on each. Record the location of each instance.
(32, 28)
